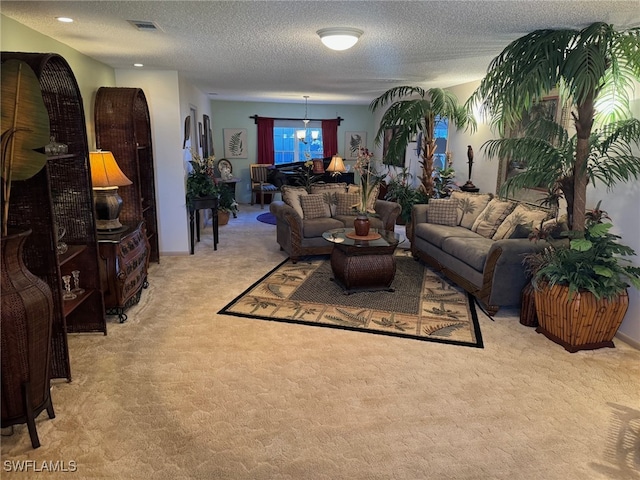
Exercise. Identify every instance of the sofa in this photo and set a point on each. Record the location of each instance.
(479, 242)
(302, 216)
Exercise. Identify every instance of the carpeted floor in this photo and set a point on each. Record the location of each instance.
(423, 305)
(178, 392)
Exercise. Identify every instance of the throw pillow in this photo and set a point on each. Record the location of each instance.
(470, 206)
(371, 199)
(328, 191)
(443, 211)
(492, 217)
(345, 203)
(521, 215)
(291, 196)
(314, 206)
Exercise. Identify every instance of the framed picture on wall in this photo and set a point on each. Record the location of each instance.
(352, 141)
(549, 108)
(235, 142)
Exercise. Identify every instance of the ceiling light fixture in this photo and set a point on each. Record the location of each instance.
(64, 19)
(339, 38)
(138, 65)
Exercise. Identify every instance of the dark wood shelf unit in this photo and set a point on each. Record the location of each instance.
(123, 127)
(60, 195)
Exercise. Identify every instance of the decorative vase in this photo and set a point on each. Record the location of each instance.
(27, 314)
(223, 217)
(582, 322)
(361, 225)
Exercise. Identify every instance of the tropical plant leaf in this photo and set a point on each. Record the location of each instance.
(25, 122)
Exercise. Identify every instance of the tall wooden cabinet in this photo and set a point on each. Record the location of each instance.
(123, 127)
(60, 196)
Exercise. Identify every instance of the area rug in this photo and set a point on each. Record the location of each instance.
(267, 218)
(423, 306)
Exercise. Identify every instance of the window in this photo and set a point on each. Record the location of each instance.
(440, 135)
(287, 146)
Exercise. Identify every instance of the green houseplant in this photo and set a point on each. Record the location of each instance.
(400, 189)
(581, 285)
(414, 110)
(200, 180)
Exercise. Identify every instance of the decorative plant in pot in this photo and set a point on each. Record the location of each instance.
(227, 204)
(27, 303)
(368, 191)
(588, 275)
(590, 68)
(201, 179)
(413, 110)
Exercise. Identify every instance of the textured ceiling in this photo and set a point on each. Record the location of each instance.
(269, 51)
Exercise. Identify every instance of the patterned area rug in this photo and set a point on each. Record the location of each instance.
(424, 305)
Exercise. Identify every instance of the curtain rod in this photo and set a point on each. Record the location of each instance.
(255, 119)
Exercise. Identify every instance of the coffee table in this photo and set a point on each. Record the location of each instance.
(363, 263)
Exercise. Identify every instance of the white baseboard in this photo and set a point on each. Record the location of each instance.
(628, 340)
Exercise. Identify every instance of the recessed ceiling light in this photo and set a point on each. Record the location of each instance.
(339, 38)
(65, 19)
(138, 65)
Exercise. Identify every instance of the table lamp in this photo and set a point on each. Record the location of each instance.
(106, 177)
(336, 166)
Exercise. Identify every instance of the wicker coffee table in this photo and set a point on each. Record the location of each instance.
(363, 263)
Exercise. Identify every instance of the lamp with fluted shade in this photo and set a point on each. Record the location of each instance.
(106, 177)
(336, 166)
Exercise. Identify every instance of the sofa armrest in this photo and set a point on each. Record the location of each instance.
(388, 213)
(515, 249)
(287, 214)
(419, 213)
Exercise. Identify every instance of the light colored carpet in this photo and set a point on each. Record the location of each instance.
(177, 392)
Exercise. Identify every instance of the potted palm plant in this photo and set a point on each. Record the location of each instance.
(412, 111)
(591, 68)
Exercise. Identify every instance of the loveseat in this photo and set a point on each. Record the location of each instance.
(302, 217)
(479, 242)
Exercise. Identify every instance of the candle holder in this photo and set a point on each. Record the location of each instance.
(67, 295)
(76, 283)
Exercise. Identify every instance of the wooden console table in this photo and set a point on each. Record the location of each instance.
(124, 260)
(194, 223)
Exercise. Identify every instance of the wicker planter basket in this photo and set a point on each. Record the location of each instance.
(582, 323)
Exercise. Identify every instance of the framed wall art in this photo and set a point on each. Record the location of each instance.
(353, 140)
(235, 142)
(549, 107)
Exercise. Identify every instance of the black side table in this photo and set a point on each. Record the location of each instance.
(203, 203)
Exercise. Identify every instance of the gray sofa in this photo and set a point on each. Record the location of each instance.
(299, 236)
(490, 269)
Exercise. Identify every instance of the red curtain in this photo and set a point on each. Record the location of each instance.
(265, 140)
(330, 137)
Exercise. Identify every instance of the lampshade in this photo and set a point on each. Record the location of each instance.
(336, 166)
(105, 172)
(300, 134)
(339, 38)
